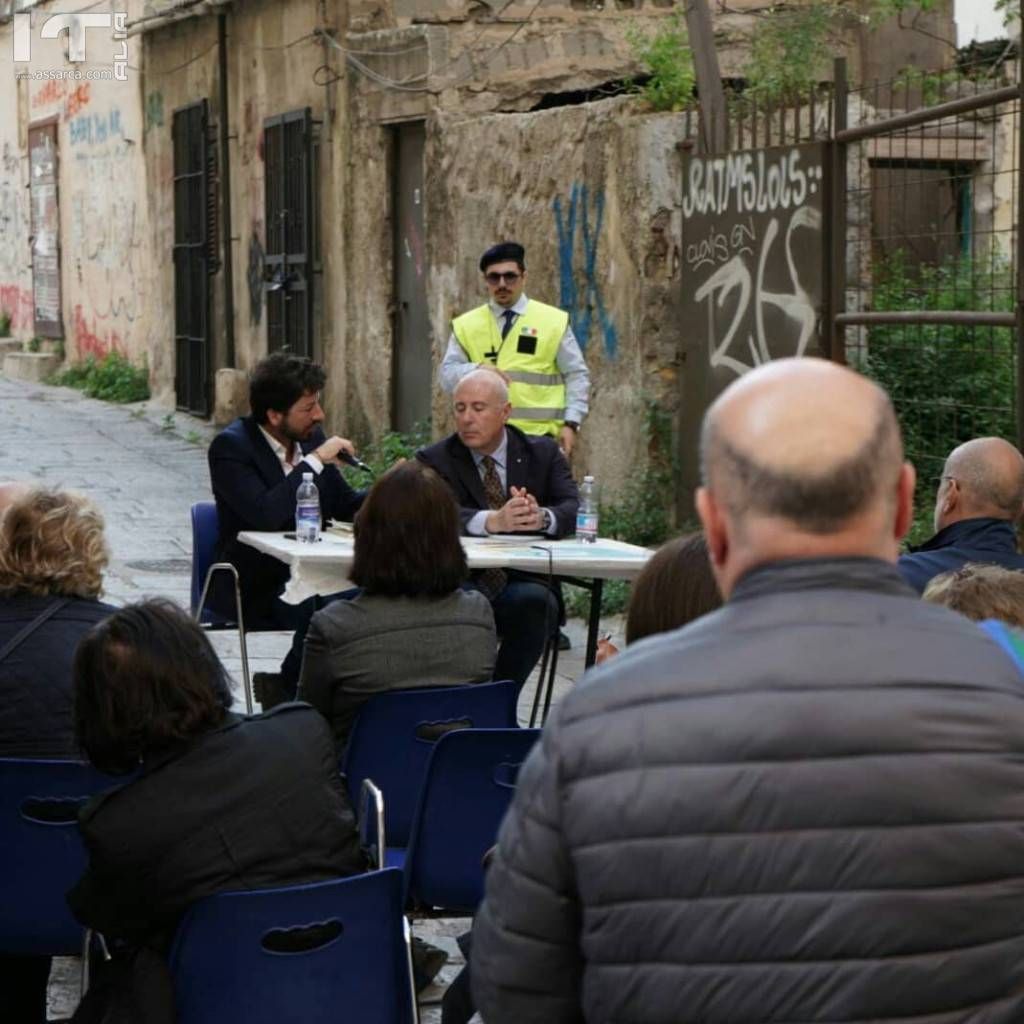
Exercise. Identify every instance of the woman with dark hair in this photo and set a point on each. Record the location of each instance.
(412, 625)
(675, 587)
(220, 802)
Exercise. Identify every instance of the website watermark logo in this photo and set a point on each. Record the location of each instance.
(76, 26)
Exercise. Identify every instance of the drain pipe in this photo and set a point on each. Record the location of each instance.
(225, 192)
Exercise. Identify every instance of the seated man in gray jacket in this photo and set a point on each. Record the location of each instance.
(806, 806)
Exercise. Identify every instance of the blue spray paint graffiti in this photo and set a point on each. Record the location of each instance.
(94, 129)
(583, 308)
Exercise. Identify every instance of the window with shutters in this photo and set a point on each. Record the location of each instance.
(196, 253)
(291, 263)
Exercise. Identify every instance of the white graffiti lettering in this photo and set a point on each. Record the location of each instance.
(746, 182)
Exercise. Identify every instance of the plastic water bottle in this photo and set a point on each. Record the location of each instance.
(307, 511)
(586, 516)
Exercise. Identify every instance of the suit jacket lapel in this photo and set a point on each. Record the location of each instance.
(269, 464)
(517, 463)
(467, 473)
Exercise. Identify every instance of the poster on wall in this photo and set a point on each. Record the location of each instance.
(45, 214)
(753, 270)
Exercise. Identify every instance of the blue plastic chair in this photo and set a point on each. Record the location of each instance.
(205, 536)
(246, 956)
(469, 784)
(394, 734)
(41, 853)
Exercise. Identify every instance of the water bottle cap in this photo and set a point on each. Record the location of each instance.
(307, 478)
(588, 479)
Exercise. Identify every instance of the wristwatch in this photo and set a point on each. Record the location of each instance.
(573, 426)
(548, 519)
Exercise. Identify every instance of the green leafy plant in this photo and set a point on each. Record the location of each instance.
(167, 424)
(948, 383)
(113, 378)
(383, 452)
(5, 323)
(194, 437)
(667, 59)
(640, 513)
(34, 344)
(791, 49)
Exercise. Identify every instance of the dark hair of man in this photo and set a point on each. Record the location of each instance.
(145, 680)
(819, 503)
(502, 253)
(279, 380)
(675, 587)
(407, 536)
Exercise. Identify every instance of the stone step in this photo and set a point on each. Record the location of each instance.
(31, 366)
(10, 345)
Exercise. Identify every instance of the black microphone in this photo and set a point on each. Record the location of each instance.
(353, 461)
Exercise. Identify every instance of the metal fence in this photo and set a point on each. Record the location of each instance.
(925, 252)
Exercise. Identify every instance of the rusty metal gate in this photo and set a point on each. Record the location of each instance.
(917, 281)
(925, 261)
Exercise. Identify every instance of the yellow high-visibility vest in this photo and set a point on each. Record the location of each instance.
(526, 356)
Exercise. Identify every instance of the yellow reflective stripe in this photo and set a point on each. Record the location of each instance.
(527, 377)
(519, 413)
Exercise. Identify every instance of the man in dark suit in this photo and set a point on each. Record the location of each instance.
(506, 482)
(256, 466)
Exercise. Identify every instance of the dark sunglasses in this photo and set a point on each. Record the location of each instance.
(495, 278)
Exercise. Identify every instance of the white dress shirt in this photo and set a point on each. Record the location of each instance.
(282, 455)
(477, 526)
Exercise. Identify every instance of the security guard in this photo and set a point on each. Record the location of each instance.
(530, 342)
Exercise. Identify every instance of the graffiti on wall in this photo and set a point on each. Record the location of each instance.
(585, 304)
(95, 129)
(753, 255)
(13, 217)
(254, 275)
(105, 233)
(154, 110)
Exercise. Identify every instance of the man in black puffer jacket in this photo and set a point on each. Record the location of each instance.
(807, 806)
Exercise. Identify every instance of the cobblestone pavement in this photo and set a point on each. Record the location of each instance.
(145, 467)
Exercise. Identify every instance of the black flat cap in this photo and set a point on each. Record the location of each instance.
(502, 252)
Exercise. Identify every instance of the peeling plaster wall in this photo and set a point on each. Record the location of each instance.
(106, 266)
(594, 195)
(273, 54)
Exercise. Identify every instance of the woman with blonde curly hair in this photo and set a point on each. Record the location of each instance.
(52, 557)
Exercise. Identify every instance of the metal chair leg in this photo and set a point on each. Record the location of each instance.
(545, 679)
(243, 646)
(408, 958)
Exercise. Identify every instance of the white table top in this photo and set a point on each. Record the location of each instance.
(321, 568)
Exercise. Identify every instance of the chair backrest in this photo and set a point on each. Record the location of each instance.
(315, 953)
(205, 536)
(469, 784)
(394, 734)
(41, 852)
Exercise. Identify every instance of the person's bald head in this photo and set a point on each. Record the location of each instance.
(981, 478)
(483, 381)
(801, 458)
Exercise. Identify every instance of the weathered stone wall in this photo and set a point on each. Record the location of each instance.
(107, 270)
(273, 52)
(593, 193)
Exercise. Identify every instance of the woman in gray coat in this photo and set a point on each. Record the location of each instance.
(412, 625)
